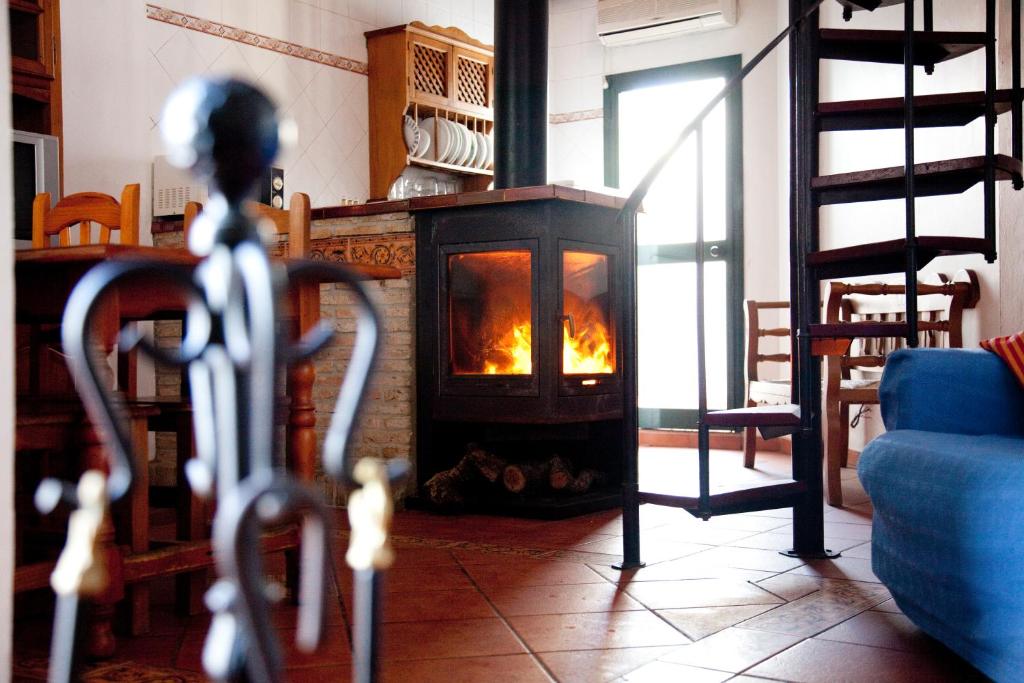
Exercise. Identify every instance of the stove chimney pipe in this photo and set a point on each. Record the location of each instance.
(520, 92)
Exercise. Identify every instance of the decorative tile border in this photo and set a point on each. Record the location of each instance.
(574, 116)
(227, 32)
(398, 251)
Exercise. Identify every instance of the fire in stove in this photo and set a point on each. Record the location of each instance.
(491, 314)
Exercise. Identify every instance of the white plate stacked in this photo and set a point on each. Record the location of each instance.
(455, 144)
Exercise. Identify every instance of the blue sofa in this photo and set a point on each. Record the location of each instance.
(947, 484)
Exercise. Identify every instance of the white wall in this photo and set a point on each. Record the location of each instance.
(120, 66)
(578, 65)
(6, 370)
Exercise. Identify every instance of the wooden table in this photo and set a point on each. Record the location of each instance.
(44, 279)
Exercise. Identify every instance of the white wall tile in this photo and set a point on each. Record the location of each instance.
(563, 62)
(334, 33)
(336, 6)
(389, 13)
(564, 29)
(303, 24)
(414, 10)
(209, 47)
(179, 58)
(232, 63)
(159, 85)
(363, 10)
(258, 59)
(438, 14)
(591, 59)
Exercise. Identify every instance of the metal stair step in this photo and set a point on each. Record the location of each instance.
(930, 111)
(890, 257)
(786, 415)
(886, 47)
(950, 176)
(870, 5)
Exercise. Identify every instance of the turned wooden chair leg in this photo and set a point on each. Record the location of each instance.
(749, 442)
(844, 434)
(138, 527)
(834, 424)
(189, 587)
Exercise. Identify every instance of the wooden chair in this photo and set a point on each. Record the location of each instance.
(82, 209)
(763, 391)
(304, 313)
(853, 378)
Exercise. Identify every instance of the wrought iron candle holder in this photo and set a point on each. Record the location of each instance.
(226, 131)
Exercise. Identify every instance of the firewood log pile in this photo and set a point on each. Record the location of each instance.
(480, 472)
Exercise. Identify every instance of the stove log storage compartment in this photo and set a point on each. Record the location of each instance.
(518, 321)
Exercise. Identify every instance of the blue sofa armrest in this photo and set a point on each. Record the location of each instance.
(955, 391)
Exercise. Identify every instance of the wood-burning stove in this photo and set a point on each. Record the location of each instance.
(518, 322)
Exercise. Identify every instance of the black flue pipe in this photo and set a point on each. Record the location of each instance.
(520, 93)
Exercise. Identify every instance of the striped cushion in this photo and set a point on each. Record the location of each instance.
(1011, 350)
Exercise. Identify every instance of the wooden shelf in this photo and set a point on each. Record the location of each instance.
(890, 256)
(450, 168)
(886, 47)
(951, 176)
(930, 111)
(421, 71)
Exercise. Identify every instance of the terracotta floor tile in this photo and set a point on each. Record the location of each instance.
(319, 674)
(749, 558)
(813, 661)
(443, 639)
(571, 539)
(467, 556)
(701, 622)
(509, 572)
(595, 631)
(333, 650)
(435, 606)
(814, 613)
(660, 672)
(674, 570)
(699, 593)
(658, 551)
(505, 668)
(888, 606)
(563, 599)
(748, 521)
(882, 629)
(415, 556)
(849, 568)
(863, 551)
(778, 541)
(791, 586)
(599, 666)
(421, 578)
(849, 515)
(734, 650)
(693, 532)
(150, 650)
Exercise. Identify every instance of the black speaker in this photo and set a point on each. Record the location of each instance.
(272, 188)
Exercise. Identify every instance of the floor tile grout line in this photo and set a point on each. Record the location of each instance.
(504, 620)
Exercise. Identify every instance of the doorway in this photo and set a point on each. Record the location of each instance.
(644, 112)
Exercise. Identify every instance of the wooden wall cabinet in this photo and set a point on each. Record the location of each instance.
(424, 71)
(35, 66)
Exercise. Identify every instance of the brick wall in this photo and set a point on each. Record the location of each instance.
(386, 426)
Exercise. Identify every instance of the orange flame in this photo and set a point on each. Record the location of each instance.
(514, 353)
(589, 352)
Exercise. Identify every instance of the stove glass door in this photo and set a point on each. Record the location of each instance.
(588, 344)
(490, 313)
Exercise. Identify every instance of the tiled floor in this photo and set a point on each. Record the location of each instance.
(496, 599)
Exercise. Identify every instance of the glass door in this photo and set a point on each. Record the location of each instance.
(644, 113)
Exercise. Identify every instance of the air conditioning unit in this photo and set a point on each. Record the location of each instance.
(622, 22)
